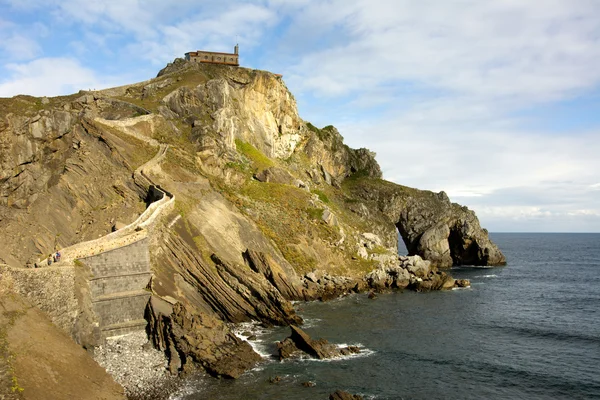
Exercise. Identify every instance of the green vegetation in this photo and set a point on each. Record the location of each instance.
(378, 250)
(322, 196)
(300, 260)
(316, 213)
(258, 159)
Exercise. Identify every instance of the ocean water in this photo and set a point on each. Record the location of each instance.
(530, 330)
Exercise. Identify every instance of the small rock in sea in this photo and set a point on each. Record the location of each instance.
(346, 351)
(309, 384)
(251, 337)
(275, 379)
(343, 395)
(372, 295)
(246, 333)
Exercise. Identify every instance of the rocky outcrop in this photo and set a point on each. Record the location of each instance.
(336, 161)
(275, 175)
(226, 290)
(431, 226)
(236, 103)
(188, 338)
(319, 285)
(343, 395)
(413, 273)
(300, 342)
(290, 287)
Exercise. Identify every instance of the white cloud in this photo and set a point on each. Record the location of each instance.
(52, 77)
(18, 47)
(492, 49)
(245, 22)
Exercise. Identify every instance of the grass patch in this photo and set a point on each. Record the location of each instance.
(258, 159)
(302, 262)
(322, 196)
(378, 250)
(316, 213)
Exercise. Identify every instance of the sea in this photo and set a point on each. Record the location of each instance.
(528, 330)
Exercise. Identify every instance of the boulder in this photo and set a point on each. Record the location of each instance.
(462, 283)
(329, 218)
(393, 277)
(343, 395)
(275, 175)
(321, 348)
(287, 349)
(416, 265)
(322, 286)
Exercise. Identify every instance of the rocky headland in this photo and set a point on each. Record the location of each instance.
(201, 199)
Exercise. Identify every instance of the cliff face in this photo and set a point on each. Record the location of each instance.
(268, 208)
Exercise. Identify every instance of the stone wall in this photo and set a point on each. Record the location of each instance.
(116, 282)
(213, 57)
(51, 289)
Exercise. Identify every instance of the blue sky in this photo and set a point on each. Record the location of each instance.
(496, 102)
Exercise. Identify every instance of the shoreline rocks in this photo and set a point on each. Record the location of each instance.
(300, 342)
(412, 272)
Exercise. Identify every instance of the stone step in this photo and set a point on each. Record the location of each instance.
(124, 328)
(121, 275)
(114, 285)
(121, 295)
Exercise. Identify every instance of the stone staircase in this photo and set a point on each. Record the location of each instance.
(116, 267)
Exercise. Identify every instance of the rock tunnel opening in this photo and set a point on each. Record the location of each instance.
(463, 250)
(402, 249)
(404, 244)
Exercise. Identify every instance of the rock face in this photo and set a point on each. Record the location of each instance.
(431, 226)
(299, 341)
(252, 106)
(200, 338)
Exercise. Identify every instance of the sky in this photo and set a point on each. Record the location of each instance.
(496, 102)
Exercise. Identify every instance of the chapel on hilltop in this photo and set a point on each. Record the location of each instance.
(213, 57)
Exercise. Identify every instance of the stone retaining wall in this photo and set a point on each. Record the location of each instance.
(117, 279)
(51, 289)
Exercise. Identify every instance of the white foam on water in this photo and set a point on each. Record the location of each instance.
(486, 276)
(189, 387)
(311, 322)
(364, 352)
(462, 288)
(258, 344)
